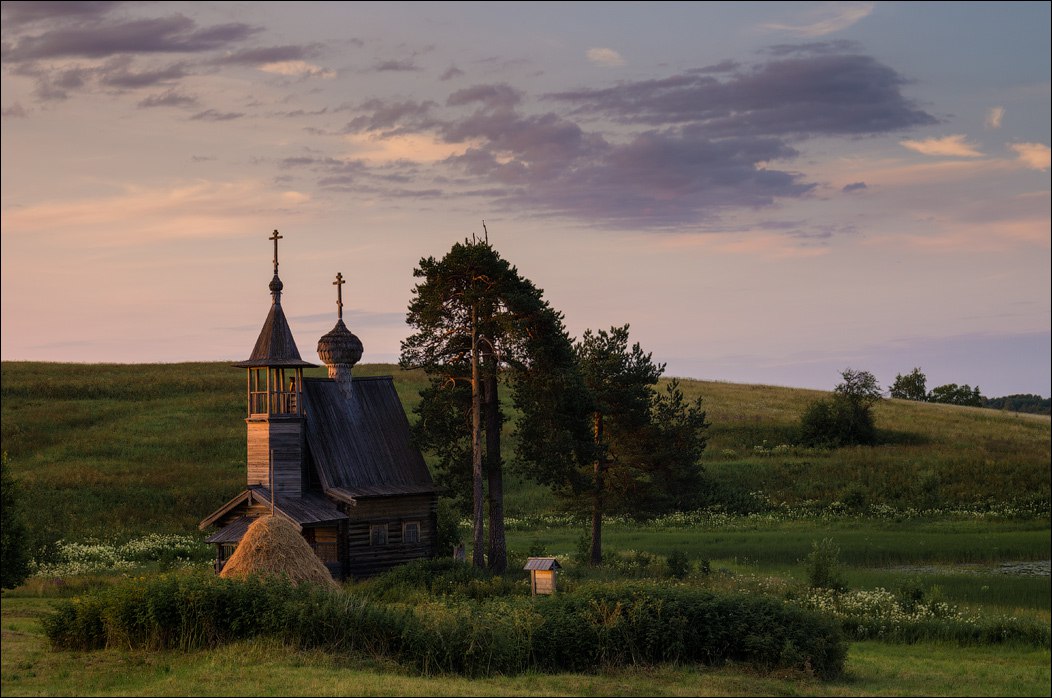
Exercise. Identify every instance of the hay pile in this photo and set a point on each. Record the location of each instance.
(272, 546)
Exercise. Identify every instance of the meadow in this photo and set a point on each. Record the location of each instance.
(952, 504)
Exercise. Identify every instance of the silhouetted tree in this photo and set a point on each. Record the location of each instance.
(847, 417)
(473, 316)
(953, 394)
(912, 386)
(14, 546)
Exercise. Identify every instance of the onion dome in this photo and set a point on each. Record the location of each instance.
(340, 346)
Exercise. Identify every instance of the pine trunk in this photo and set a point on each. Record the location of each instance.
(597, 494)
(478, 557)
(498, 547)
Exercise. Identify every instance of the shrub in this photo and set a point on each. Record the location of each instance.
(823, 566)
(837, 422)
(612, 625)
(14, 542)
(678, 564)
(616, 625)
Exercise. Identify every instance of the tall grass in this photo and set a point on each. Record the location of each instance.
(115, 449)
(596, 627)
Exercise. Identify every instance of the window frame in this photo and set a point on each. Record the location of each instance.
(405, 527)
(375, 531)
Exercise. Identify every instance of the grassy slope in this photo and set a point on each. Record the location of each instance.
(106, 449)
(120, 450)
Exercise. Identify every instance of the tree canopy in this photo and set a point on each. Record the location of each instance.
(474, 317)
(847, 417)
(912, 386)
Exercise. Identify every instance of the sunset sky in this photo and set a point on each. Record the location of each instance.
(766, 192)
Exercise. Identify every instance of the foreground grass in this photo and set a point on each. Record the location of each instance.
(266, 668)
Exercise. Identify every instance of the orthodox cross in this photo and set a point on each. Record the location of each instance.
(338, 283)
(275, 237)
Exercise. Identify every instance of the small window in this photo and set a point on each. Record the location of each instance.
(378, 534)
(411, 532)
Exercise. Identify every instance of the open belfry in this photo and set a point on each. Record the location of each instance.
(331, 455)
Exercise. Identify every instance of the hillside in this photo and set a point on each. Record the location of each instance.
(117, 450)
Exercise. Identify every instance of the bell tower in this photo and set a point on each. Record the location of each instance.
(275, 418)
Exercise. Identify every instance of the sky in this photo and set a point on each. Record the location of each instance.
(766, 192)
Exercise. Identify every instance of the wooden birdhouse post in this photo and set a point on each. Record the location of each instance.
(543, 574)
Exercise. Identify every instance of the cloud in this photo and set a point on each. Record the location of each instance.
(1033, 155)
(411, 148)
(270, 54)
(801, 95)
(15, 111)
(450, 73)
(826, 19)
(297, 69)
(171, 98)
(489, 96)
(382, 115)
(854, 186)
(176, 34)
(395, 66)
(686, 149)
(17, 14)
(994, 117)
(606, 57)
(213, 115)
(948, 146)
(120, 76)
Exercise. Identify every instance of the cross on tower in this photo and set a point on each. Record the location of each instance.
(275, 237)
(338, 283)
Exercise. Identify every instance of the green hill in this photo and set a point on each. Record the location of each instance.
(115, 450)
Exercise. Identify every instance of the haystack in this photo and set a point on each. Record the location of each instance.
(273, 547)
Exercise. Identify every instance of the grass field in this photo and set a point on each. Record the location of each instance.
(118, 450)
(948, 497)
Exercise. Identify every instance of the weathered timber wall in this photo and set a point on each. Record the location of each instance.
(283, 437)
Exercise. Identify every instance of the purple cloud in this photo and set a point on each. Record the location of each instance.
(495, 96)
(171, 98)
(270, 54)
(20, 13)
(395, 66)
(450, 73)
(396, 117)
(800, 96)
(176, 34)
(213, 115)
(854, 186)
(124, 78)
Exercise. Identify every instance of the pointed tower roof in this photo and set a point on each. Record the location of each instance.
(275, 345)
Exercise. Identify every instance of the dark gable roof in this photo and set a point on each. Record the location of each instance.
(275, 345)
(360, 446)
(307, 510)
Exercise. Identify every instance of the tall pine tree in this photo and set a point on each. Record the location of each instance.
(473, 315)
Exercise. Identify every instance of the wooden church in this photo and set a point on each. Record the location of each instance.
(331, 455)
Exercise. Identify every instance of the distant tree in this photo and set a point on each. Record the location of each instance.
(953, 394)
(912, 386)
(847, 417)
(1023, 402)
(860, 387)
(14, 546)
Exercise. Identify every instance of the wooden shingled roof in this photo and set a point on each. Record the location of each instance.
(306, 510)
(275, 345)
(360, 445)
